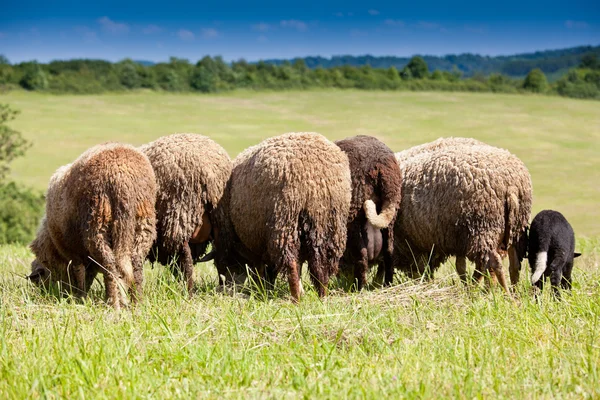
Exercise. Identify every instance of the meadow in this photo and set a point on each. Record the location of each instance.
(415, 340)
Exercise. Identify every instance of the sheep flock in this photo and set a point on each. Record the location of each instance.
(294, 199)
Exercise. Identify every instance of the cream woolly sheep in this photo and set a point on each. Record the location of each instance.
(376, 184)
(191, 172)
(465, 198)
(99, 217)
(287, 202)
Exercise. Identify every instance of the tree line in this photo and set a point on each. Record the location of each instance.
(213, 74)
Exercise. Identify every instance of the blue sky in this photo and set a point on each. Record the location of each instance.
(151, 30)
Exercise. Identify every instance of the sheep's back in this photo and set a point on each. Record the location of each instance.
(191, 172)
(273, 182)
(455, 197)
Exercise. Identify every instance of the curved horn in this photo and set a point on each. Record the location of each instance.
(382, 220)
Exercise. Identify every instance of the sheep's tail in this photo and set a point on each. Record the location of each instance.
(511, 215)
(123, 239)
(540, 266)
(382, 220)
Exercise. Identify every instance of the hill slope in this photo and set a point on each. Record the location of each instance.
(518, 65)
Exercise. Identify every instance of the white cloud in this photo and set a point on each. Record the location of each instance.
(373, 12)
(209, 33)
(576, 24)
(339, 14)
(394, 22)
(262, 39)
(294, 24)
(113, 27)
(262, 27)
(184, 34)
(152, 29)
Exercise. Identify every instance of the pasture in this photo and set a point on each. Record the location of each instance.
(413, 340)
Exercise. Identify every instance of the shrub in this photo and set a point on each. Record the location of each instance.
(20, 212)
(535, 81)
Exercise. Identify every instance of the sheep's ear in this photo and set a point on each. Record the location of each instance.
(575, 255)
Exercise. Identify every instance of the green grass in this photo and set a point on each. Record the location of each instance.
(414, 340)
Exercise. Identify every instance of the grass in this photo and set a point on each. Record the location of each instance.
(415, 340)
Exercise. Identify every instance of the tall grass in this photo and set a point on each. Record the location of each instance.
(432, 340)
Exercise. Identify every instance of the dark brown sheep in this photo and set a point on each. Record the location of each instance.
(191, 173)
(99, 218)
(376, 186)
(287, 202)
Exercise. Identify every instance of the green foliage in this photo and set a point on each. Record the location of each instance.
(416, 68)
(535, 81)
(590, 61)
(580, 83)
(12, 143)
(20, 212)
(212, 74)
(20, 209)
(34, 77)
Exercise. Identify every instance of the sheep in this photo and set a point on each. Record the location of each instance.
(376, 184)
(99, 217)
(287, 202)
(191, 172)
(551, 250)
(465, 198)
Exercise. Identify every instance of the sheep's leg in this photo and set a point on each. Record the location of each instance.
(187, 266)
(566, 280)
(361, 268)
(515, 265)
(461, 268)
(270, 276)
(495, 262)
(90, 275)
(556, 274)
(294, 280)
(388, 260)
(101, 252)
(145, 234)
(77, 280)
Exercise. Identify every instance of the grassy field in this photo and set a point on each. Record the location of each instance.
(416, 340)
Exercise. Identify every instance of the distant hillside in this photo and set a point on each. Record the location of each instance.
(552, 62)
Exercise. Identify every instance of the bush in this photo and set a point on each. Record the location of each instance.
(34, 78)
(20, 212)
(535, 81)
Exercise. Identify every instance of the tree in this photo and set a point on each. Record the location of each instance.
(535, 81)
(204, 79)
(590, 61)
(34, 77)
(417, 67)
(128, 74)
(12, 143)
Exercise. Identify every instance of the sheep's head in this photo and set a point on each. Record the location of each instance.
(40, 275)
(522, 244)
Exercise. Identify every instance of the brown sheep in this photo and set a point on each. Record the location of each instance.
(99, 217)
(376, 185)
(287, 202)
(191, 172)
(465, 198)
